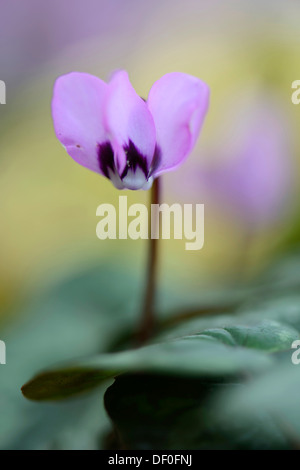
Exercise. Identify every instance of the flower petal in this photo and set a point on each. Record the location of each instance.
(178, 103)
(129, 122)
(78, 115)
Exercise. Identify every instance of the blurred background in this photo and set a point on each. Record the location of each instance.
(62, 290)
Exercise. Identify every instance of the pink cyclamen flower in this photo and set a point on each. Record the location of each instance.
(109, 129)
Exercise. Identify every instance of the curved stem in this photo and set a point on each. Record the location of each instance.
(148, 315)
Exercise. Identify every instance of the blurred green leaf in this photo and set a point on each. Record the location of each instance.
(89, 314)
(276, 394)
(160, 412)
(213, 352)
(79, 315)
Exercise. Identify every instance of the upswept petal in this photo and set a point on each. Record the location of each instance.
(129, 122)
(78, 114)
(178, 103)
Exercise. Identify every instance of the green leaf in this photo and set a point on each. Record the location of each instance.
(160, 412)
(80, 315)
(151, 411)
(227, 352)
(274, 394)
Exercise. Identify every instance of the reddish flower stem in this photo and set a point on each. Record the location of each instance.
(148, 312)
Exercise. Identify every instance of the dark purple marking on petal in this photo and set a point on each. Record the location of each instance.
(106, 158)
(156, 161)
(134, 159)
